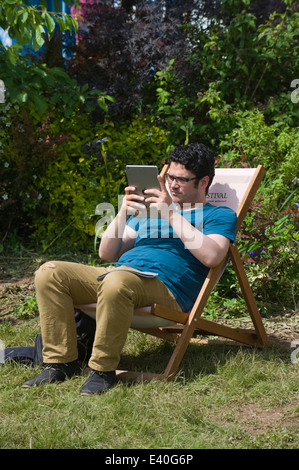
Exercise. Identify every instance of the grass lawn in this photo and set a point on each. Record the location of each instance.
(224, 397)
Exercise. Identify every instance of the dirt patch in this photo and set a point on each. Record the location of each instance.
(13, 294)
(259, 421)
(280, 328)
(21, 282)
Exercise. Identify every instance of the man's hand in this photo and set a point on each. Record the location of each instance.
(119, 237)
(160, 199)
(132, 203)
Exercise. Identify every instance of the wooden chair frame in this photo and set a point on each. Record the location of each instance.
(190, 324)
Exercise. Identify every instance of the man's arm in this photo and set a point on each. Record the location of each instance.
(116, 240)
(119, 237)
(208, 249)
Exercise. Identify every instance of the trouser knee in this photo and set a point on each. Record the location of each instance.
(43, 273)
(48, 274)
(114, 287)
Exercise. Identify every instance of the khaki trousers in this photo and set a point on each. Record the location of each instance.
(60, 285)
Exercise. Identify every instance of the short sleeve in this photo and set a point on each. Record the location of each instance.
(133, 222)
(221, 221)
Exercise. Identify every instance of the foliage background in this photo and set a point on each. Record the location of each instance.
(129, 83)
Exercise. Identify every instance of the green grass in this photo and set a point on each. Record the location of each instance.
(224, 397)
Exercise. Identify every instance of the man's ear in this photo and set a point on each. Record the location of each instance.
(205, 181)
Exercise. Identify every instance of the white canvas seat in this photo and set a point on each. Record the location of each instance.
(142, 318)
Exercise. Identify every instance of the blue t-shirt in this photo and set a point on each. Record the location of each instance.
(159, 249)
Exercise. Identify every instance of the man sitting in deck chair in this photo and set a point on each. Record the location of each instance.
(189, 236)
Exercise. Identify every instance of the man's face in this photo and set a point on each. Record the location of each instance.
(186, 192)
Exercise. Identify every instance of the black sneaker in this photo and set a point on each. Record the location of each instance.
(98, 382)
(54, 373)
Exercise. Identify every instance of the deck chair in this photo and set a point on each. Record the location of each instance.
(236, 189)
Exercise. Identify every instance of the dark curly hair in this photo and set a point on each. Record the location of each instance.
(196, 158)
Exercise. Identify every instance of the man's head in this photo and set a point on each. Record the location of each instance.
(190, 173)
(197, 159)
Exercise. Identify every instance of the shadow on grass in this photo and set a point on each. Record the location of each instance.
(144, 353)
(199, 359)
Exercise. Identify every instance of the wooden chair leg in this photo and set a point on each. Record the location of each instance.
(195, 320)
(248, 295)
(191, 323)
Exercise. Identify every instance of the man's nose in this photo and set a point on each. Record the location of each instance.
(174, 183)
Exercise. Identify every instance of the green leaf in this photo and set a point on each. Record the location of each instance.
(102, 104)
(11, 16)
(22, 97)
(50, 23)
(59, 72)
(38, 39)
(68, 22)
(75, 24)
(50, 81)
(61, 23)
(39, 102)
(95, 92)
(110, 98)
(23, 16)
(12, 54)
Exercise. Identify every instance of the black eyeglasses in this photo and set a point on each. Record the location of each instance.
(178, 179)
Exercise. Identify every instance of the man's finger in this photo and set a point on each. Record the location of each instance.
(162, 183)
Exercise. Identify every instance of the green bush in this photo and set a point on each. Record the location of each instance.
(269, 236)
(30, 150)
(254, 142)
(89, 170)
(43, 118)
(230, 69)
